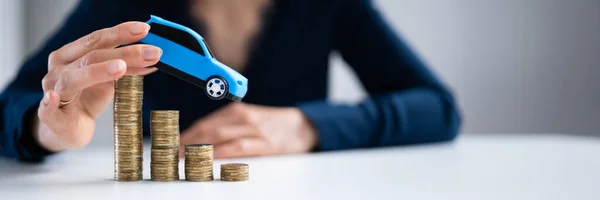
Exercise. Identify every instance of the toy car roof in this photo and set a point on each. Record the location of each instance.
(159, 20)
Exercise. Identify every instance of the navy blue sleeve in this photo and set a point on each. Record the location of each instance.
(20, 100)
(407, 103)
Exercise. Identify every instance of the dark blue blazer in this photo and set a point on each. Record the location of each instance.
(288, 66)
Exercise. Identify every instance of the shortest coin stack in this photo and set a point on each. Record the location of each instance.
(234, 172)
(199, 162)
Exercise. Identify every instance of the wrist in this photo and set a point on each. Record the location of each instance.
(307, 132)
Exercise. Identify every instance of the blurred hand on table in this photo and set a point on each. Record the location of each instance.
(241, 130)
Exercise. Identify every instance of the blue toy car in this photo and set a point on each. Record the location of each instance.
(187, 56)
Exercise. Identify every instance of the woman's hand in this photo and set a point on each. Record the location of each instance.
(81, 75)
(240, 130)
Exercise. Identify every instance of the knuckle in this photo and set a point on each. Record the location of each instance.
(47, 82)
(92, 39)
(62, 83)
(203, 129)
(200, 138)
(89, 73)
(220, 134)
(116, 31)
(132, 52)
(112, 34)
(85, 60)
(248, 117)
(218, 131)
(237, 107)
(106, 35)
(52, 58)
(89, 58)
(242, 146)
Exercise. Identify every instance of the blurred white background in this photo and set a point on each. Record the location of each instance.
(516, 66)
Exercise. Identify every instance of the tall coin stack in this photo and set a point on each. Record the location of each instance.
(199, 162)
(234, 172)
(164, 155)
(128, 128)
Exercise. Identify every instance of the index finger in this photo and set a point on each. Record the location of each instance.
(125, 33)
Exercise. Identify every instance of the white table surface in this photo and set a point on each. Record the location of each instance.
(506, 167)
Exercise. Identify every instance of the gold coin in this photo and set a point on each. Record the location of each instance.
(199, 178)
(164, 137)
(235, 179)
(128, 128)
(234, 172)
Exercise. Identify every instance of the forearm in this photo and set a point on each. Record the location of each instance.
(406, 117)
(17, 125)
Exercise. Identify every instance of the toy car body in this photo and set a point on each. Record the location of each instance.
(187, 56)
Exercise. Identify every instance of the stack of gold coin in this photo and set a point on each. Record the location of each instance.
(164, 155)
(234, 172)
(199, 162)
(128, 128)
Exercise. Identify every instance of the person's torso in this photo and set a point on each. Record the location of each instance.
(287, 64)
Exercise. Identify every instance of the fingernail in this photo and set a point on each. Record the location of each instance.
(139, 28)
(46, 99)
(151, 53)
(115, 67)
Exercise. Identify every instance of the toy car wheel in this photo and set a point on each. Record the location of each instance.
(216, 88)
